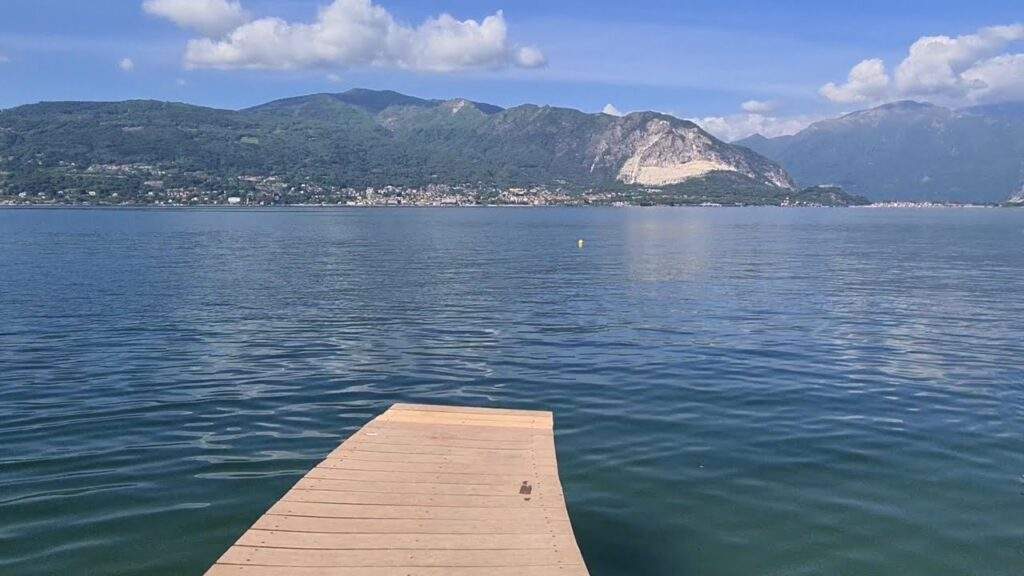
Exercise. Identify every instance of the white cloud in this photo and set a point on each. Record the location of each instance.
(755, 118)
(966, 69)
(126, 64)
(209, 17)
(936, 64)
(530, 57)
(997, 79)
(335, 78)
(611, 110)
(867, 82)
(758, 107)
(361, 33)
(737, 126)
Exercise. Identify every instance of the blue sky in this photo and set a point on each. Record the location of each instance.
(698, 59)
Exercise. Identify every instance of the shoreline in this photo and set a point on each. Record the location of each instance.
(311, 207)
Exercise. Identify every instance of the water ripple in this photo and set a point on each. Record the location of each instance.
(737, 392)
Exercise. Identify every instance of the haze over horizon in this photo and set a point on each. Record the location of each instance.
(734, 71)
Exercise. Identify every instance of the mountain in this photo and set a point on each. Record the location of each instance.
(909, 151)
(544, 143)
(365, 138)
(374, 101)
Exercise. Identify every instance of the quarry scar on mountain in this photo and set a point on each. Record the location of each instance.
(665, 154)
(652, 149)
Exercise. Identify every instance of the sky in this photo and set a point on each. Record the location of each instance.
(735, 67)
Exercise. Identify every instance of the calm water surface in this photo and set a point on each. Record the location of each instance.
(737, 391)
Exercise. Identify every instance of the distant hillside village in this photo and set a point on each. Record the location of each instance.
(147, 185)
(142, 184)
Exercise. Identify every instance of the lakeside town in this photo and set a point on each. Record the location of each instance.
(146, 185)
(142, 185)
(149, 185)
(269, 191)
(392, 196)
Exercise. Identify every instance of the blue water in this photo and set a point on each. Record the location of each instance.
(737, 391)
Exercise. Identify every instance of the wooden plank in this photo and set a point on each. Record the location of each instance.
(438, 467)
(240, 570)
(374, 476)
(422, 491)
(474, 410)
(444, 445)
(334, 541)
(328, 510)
(266, 556)
(314, 482)
(403, 526)
(458, 431)
(447, 419)
(416, 439)
(479, 458)
(416, 500)
(397, 438)
(478, 416)
(442, 424)
(396, 447)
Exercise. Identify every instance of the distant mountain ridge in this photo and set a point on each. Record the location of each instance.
(366, 138)
(374, 101)
(644, 148)
(909, 151)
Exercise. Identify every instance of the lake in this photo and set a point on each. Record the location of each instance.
(737, 392)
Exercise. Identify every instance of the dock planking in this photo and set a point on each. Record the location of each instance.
(422, 491)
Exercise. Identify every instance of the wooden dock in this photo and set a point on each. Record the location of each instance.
(422, 491)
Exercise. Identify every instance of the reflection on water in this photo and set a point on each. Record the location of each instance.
(737, 392)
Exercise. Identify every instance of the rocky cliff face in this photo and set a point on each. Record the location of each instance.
(657, 150)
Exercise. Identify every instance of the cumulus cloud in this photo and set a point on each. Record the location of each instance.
(126, 64)
(755, 118)
(530, 57)
(867, 82)
(937, 64)
(998, 78)
(758, 107)
(955, 70)
(357, 33)
(209, 17)
(611, 110)
(738, 126)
